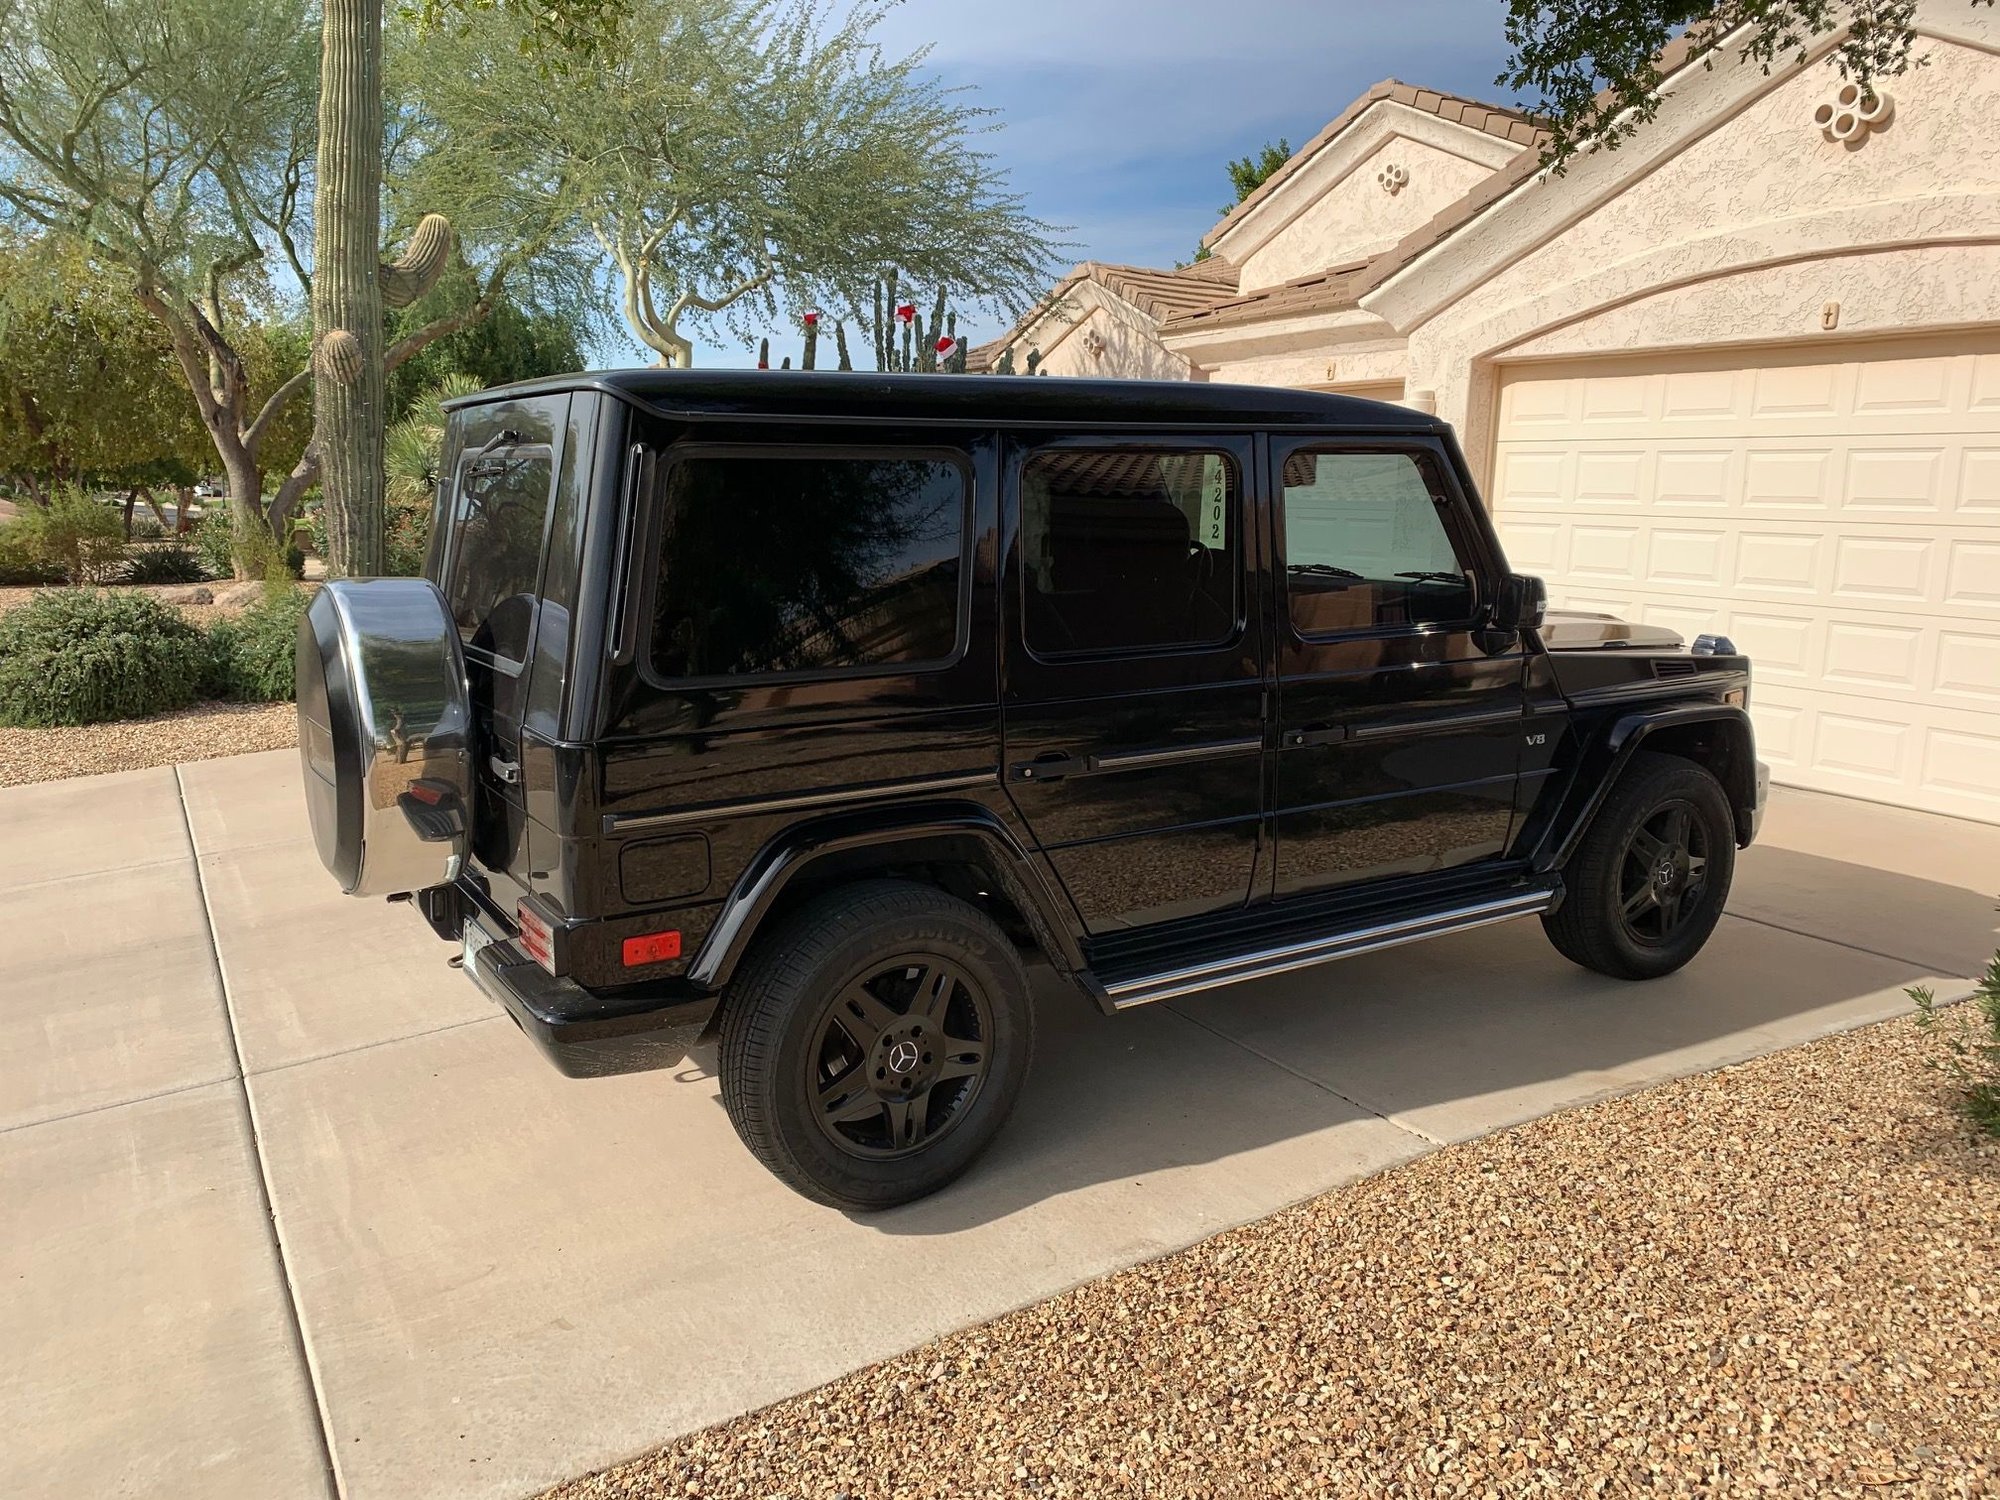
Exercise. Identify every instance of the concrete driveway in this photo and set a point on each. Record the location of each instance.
(289, 1209)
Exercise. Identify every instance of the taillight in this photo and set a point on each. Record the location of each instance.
(652, 948)
(537, 941)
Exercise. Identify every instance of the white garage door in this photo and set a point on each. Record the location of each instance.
(1836, 513)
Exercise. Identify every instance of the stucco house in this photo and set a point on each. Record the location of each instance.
(1741, 374)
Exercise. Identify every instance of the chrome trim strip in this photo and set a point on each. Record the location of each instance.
(1292, 956)
(1436, 725)
(1135, 760)
(631, 822)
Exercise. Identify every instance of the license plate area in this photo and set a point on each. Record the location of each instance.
(472, 939)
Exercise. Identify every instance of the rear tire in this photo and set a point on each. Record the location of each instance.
(875, 1042)
(1646, 886)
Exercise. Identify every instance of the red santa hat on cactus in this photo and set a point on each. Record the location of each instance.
(946, 346)
(812, 317)
(906, 312)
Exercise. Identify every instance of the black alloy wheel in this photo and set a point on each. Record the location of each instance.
(900, 1056)
(874, 1042)
(1661, 883)
(1646, 885)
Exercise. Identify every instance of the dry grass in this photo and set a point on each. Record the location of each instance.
(200, 732)
(1781, 1279)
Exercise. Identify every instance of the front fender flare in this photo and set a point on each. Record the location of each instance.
(1606, 759)
(958, 827)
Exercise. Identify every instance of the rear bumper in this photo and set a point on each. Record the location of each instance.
(585, 1034)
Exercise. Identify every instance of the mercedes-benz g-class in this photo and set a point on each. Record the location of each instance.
(801, 713)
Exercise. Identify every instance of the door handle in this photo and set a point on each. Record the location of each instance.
(1315, 734)
(1050, 765)
(508, 771)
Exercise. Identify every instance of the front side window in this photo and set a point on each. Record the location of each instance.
(1366, 545)
(1124, 549)
(782, 563)
(497, 506)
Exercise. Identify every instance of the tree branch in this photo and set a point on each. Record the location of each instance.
(254, 433)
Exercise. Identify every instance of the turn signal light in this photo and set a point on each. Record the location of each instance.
(652, 948)
(536, 939)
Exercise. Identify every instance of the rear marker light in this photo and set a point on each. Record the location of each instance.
(536, 939)
(652, 948)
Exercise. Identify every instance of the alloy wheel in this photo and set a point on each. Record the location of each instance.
(899, 1057)
(1664, 873)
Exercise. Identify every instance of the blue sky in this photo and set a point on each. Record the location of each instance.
(1118, 115)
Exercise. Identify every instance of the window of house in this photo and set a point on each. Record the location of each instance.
(498, 505)
(1365, 544)
(1124, 549)
(808, 563)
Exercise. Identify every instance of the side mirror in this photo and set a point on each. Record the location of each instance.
(1522, 602)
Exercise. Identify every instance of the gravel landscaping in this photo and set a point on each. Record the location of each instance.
(1781, 1279)
(199, 732)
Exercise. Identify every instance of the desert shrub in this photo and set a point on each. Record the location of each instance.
(72, 537)
(171, 562)
(147, 528)
(214, 539)
(21, 564)
(1968, 1046)
(76, 656)
(406, 530)
(251, 658)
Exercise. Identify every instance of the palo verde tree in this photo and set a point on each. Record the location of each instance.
(729, 154)
(169, 138)
(1593, 71)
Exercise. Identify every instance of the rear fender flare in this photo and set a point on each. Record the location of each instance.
(957, 830)
(1627, 734)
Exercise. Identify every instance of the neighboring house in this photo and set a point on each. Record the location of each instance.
(1741, 374)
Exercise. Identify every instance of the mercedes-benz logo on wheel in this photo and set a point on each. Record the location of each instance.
(903, 1056)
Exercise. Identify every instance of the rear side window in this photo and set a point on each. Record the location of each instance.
(498, 507)
(1124, 549)
(808, 563)
(1366, 544)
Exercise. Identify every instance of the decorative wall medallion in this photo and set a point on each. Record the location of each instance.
(1093, 344)
(1393, 177)
(1853, 114)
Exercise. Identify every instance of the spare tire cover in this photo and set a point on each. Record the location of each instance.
(384, 734)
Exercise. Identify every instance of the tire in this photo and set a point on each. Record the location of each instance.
(832, 1068)
(1635, 906)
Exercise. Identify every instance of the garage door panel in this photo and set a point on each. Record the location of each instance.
(1838, 515)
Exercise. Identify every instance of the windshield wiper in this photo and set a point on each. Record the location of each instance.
(1327, 570)
(1434, 577)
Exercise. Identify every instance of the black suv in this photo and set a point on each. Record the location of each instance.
(804, 711)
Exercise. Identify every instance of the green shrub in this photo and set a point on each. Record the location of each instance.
(170, 562)
(406, 530)
(251, 658)
(21, 564)
(1968, 1038)
(215, 541)
(72, 537)
(76, 656)
(147, 528)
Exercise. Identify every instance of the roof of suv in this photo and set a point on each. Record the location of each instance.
(1006, 400)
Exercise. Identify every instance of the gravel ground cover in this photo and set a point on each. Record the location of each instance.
(198, 732)
(1780, 1279)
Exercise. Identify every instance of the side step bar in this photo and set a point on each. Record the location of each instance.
(1146, 988)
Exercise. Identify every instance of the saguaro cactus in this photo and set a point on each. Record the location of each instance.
(351, 285)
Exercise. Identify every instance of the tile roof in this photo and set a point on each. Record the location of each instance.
(1506, 124)
(1322, 291)
(1158, 294)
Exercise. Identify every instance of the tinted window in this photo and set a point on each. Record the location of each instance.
(497, 507)
(1365, 544)
(782, 564)
(1123, 549)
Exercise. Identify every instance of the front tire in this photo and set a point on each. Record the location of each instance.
(1646, 887)
(874, 1044)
